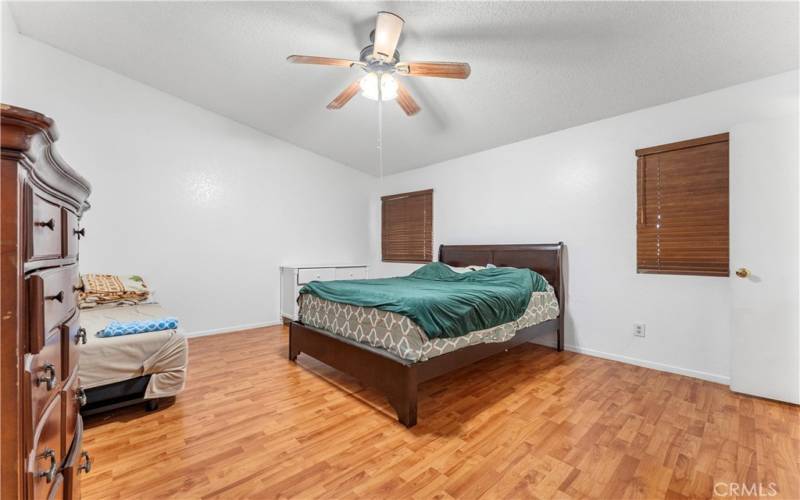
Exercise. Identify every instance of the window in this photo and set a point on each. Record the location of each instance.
(682, 202)
(406, 227)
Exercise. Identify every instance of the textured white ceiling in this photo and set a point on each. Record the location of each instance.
(536, 67)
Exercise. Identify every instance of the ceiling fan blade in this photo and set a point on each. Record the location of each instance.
(435, 69)
(387, 34)
(406, 102)
(324, 61)
(345, 96)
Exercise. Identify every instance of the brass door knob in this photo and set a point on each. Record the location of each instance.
(743, 272)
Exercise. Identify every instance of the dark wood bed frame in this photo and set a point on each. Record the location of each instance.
(398, 378)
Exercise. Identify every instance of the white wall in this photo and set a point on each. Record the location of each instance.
(579, 186)
(204, 208)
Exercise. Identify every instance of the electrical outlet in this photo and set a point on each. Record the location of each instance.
(638, 329)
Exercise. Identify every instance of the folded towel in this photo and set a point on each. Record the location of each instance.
(117, 328)
(100, 289)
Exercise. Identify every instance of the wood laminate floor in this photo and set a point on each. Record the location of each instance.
(528, 423)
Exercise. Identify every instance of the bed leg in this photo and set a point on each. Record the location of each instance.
(151, 405)
(404, 401)
(406, 409)
(560, 336)
(294, 351)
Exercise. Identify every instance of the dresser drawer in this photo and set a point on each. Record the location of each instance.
(351, 273)
(315, 274)
(71, 396)
(44, 457)
(45, 239)
(77, 462)
(72, 337)
(53, 296)
(72, 234)
(44, 374)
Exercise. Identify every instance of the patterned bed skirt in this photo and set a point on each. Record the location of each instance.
(404, 338)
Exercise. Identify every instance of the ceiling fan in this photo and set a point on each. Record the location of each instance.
(381, 61)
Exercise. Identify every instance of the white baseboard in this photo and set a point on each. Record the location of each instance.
(711, 377)
(231, 329)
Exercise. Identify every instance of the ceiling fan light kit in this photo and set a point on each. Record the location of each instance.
(369, 86)
(381, 61)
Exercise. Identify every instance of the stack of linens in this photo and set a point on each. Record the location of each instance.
(103, 289)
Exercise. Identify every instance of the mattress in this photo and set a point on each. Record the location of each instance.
(163, 355)
(404, 338)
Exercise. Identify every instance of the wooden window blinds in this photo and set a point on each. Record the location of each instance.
(406, 227)
(682, 202)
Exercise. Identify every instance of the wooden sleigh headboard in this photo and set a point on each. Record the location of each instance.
(545, 259)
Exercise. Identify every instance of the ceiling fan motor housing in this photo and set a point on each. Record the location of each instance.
(374, 64)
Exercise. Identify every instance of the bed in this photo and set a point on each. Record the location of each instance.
(130, 369)
(398, 375)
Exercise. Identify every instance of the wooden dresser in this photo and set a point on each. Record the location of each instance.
(42, 200)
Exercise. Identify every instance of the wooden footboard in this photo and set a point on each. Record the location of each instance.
(391, 375)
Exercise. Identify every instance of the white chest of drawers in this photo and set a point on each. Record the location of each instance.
(293, 278)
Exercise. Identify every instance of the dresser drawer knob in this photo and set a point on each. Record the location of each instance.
(50, 473)
(80, 233)
(49, 224)
(57, 297)
(79, 288)
(80, 396)
(86, 463)
(80, 338)
(50, 376)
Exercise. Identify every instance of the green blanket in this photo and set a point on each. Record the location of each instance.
(442, 302)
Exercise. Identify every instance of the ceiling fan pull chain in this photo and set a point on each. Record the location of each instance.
(380, 126)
